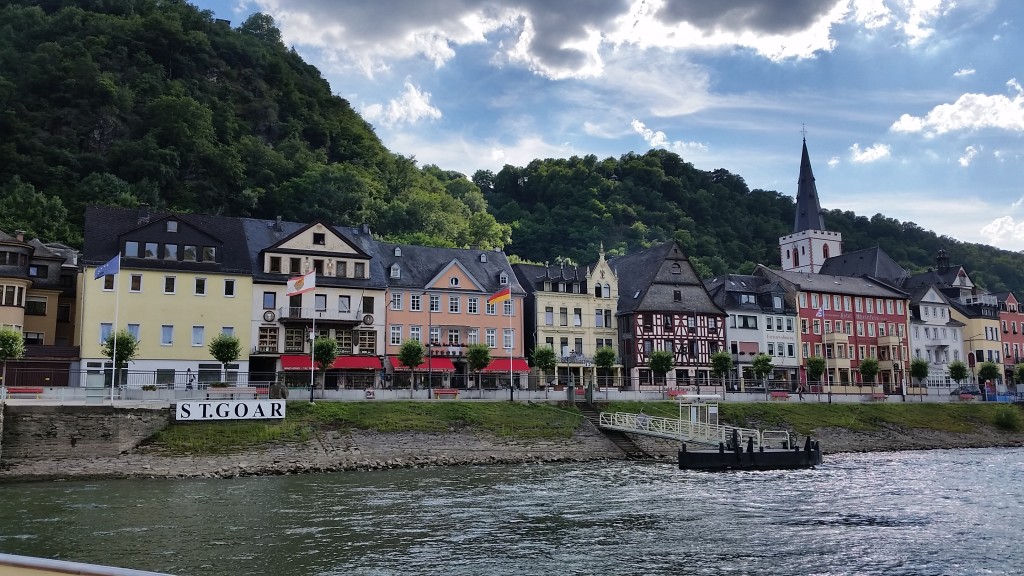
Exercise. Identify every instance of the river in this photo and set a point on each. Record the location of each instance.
(915, 513)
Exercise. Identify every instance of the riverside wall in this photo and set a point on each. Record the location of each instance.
(60, 432)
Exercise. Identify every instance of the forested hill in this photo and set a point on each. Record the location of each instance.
(123, 102)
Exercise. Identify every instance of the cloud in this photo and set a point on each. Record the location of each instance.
(658, 139)
(871, 14)
(1003, 231)
(969, 153)
(969, 112)
(868, 155)
(833, 162)
(963, 72)
(409, 108)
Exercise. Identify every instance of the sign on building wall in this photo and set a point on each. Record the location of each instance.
(230, 410)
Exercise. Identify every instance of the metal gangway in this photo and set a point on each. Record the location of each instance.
(697, 423)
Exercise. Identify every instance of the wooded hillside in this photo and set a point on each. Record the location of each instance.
(122, 102)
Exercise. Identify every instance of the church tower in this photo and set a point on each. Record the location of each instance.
(807, 248)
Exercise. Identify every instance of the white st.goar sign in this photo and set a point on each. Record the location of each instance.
(230, 410)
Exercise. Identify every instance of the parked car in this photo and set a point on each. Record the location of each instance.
(972, 390)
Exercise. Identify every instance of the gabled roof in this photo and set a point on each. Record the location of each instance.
(649, 279)
(725, 291)
(533, 276)
(808, 209)
(854, 286)
(421, 264)
(872, 262)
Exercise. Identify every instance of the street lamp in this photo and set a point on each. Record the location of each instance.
(430, 341)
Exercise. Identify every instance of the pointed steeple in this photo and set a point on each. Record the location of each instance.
(808, 210)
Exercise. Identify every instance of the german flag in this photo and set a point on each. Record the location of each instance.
(501, 295)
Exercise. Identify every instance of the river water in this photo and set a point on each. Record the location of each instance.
(913, 513)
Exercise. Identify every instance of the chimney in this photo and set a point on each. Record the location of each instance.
(366, 228)
(143, 213)
(20, 235)
(277, 224)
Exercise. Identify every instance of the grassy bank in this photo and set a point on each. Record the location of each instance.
(546, 421)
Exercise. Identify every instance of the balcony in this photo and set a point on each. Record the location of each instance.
(294, 314)
(447, 350)
(889, 340)
(888, 365)
(38, 351)
(576, 358)
(835, 338)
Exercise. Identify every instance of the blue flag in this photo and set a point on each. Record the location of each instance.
(110, 268)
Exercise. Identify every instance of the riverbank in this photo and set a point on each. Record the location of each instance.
(335, 451)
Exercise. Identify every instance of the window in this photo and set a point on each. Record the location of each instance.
(344, 304)
(35, 306)
(172, 226)
(473, 336)
(227, 330)
(33, 338)
(209, 254)
(108, 283)
(134, 330)
(320, 302)
(858, 304)
(816, 326)
(275, 265)
(508, 307)
(341, 268)
(416, 333)
(64, 313)
(344, 339)
(269, 300)
(491, 335)
(396, 335)
(150, 250)
(367, 341)
(871, 329)
(190, 254)
(105, 329)
(200, 286)
(814, 301)
(267, 339)
(396, 300)
(415, 302)
(490, 309)
(435, 335)
(454, 304)
(803, 300)
(508, 338)
(454, 337)
(473, 305)
(166, 335)
(170, 251)
(563, 316)
(131, 249)
(598, 319)
(846, 303)
(789, 324)
(135, 283)
(169, 284)
(453, 281)
(368, 304)
(577, 317)
(435, 303)
(768, 324)
(294, 340)
(198, 333)
(37, 271)
(746, 299)
(396, 272)
(319, 238)
(229, 288)
(360, 269)
(677, 295)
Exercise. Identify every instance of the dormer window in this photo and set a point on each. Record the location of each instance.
(398, 251)
(396, 272)
(319, 238)
(483, 258)
(503, 279)
(676, 269)
(453, 281)
(172, 225)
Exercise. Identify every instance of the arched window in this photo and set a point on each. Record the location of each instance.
(796, 259)
(607, 290)
(597, 290)
(676, 268)
(824, 250)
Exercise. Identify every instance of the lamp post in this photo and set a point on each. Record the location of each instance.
(430, 341)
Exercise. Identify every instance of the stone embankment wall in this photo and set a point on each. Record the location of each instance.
(58, 432)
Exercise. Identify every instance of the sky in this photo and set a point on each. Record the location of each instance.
(910, 108)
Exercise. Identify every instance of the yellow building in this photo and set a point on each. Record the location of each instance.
(181, 280)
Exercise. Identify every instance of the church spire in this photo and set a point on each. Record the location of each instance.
(808, 210)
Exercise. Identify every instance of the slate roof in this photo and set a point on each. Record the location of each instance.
(532, 276)
(421, 264)
(854, 286)
(647, 284)
(104, 226)
(262, 234)
(808, 209)
(725, 289)
(873, 262)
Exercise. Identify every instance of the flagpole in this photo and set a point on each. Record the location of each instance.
(312, 351)
(117, 301)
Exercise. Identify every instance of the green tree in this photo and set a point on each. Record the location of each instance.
(815, 368)
(262, 26)
(721, 365)
(762, 366)
(868, 370)
(225, 348)
(12, 347)
(660, 362)
(919, 369)
(478, 357)
(325, 352)
(604, 359)
(125, 346)
(1018, 373)
(989, 371)
(958, 372)
(544, 359)
(410, 354)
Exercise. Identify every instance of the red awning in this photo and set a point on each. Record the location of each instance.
(295, 362)
(504, 365)
(357, 363)
(435, 364)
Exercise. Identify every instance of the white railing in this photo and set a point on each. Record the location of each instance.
(684, 430)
